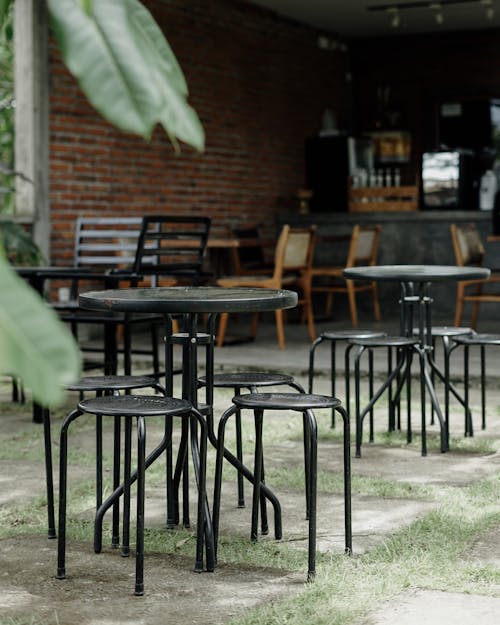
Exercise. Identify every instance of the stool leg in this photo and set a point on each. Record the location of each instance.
(258, 418)
(98, 460)
(370, 391)
(447, 352)
(63, 474)
(333, 369)
(312, 351)
(218, 472)
(347, 377)
(468, 416)
(422, 402)
(307, 463)
(172, 510)
(483, 388)
(141, 478)
(49, 477)
(347, 480)
(204, 525)
(357, 384)
(115, 538)
(409, 359)
(312, 435)
(126, 486)
(185, 492)
(264, 525)
(239, 453)
(392, 423)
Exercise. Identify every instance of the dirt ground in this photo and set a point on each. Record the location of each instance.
(99, 588)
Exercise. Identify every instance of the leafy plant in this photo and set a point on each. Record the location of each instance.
(19, 247)
(6, 117)
(128, 72)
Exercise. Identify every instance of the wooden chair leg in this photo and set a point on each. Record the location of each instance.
(221, 332)
(475, 314)
(310, 318)
(254, 324)
(328, 304)
(459, 305)
(351, 294)
(376, 304)
(279, 328)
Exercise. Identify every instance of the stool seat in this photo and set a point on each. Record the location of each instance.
(134, 405)
(444, 331)
(385, 341)
(285, 401)
(478, 339)
(111, 383)
(339, 335)
(245, 379)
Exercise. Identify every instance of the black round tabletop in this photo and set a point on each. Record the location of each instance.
(416, 273)
(189, 299)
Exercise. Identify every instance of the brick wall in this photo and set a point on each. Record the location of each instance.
(259, 84)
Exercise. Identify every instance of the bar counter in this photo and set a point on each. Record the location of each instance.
(410, 237)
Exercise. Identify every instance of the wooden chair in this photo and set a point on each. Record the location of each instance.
(171, 249)
(469, 251)
(249, 260)
(363, 248)
(292, 270)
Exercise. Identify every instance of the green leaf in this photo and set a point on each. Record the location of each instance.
(125, 67)
(4, 11)
(34, 344)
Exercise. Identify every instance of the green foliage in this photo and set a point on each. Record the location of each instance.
(128, 72)
(125, 67)
(34, 345)
(19, 247)
(6, 109)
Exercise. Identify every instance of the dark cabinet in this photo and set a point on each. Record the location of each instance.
(327, 172)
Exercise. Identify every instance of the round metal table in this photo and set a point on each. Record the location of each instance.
(191, 304)
(415, 306)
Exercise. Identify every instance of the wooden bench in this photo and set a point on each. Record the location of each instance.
(106, 242)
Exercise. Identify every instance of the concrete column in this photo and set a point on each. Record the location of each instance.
(31, 118)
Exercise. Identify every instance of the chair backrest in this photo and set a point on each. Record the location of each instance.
(467, 244)
(248, 257)
(106, 241)
(363, 247)
(294, 250)
(172, 247)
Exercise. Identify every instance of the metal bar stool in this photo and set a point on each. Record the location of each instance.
(101, 384)
(401, 373)
(467, 341)
(298, 402)
(140, 407)
(252, 381)
(334, 337)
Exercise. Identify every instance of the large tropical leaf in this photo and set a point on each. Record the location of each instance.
(34, 344)
(125, 66)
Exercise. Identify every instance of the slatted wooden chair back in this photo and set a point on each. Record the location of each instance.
(106, 242)
(171, 249)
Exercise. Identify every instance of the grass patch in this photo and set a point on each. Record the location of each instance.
(427, 555)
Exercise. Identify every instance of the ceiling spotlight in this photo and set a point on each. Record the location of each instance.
(438, 12)
(395, 17)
